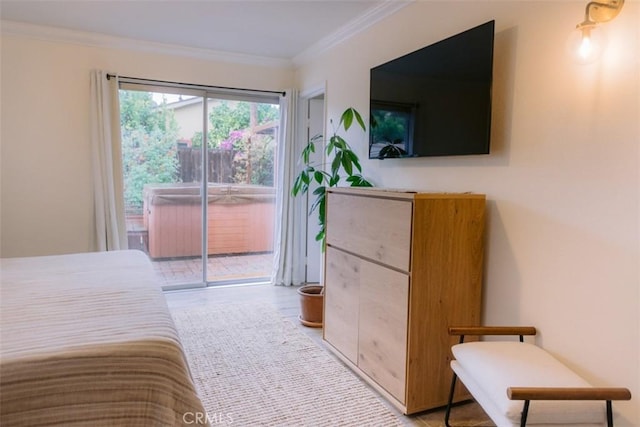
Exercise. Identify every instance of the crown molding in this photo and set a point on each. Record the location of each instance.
(374, 15)
(54, 34)
(84, 38)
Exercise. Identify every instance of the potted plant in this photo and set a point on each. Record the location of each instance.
(344, 166)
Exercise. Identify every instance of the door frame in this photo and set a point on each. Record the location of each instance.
(312, 120)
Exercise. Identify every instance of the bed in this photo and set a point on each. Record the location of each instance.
(87, 339)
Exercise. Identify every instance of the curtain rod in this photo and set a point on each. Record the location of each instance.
(192, 86)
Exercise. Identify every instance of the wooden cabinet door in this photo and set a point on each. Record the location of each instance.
(382, 352)
(372, 227)
(341, 302)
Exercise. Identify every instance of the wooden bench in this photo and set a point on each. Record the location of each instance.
(518, 383)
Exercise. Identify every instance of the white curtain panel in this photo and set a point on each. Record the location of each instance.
(290, 234)
(110, 231)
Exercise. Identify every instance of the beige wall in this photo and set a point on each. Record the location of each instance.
(562, 180)
(47, 205)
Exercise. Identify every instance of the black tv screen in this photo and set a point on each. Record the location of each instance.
(435, 101)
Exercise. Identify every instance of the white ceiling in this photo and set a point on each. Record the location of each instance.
(276, 29)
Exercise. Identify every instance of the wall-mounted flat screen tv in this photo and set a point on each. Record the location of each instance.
(435, 101)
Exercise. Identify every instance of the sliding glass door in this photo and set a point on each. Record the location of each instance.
(199, 183)
(241, 141)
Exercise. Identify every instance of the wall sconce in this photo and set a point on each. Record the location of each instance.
(586, 43)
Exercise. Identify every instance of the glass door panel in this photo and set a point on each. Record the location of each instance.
(242, 138)
(162, 171)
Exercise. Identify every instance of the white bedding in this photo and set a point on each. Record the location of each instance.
(87, 339)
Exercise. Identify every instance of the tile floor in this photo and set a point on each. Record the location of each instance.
(286, 300)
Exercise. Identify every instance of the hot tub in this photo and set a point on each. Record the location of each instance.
(240, 219)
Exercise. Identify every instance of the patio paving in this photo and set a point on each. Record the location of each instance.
(244, 267)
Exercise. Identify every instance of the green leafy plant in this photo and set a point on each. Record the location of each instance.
(149, 135)
(344, 164)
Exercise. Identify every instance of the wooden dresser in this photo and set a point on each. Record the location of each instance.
(400, 268)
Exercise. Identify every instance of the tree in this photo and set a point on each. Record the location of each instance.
(233, 125)
(149, 135)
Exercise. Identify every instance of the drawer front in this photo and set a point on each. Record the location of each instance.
(382, 343)
(375, 228)
(341, 302)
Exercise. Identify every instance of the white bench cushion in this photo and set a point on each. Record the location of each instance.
(497, 365)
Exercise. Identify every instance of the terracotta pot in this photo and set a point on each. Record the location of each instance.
(311, 299)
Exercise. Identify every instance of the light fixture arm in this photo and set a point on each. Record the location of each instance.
(597, 12)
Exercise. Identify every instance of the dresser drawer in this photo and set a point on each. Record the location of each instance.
(375, 228)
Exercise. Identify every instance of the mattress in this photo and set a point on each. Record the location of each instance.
(87, 339)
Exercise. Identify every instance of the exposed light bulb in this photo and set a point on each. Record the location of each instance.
(586, 44)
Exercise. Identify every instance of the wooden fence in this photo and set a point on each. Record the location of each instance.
(219, 167)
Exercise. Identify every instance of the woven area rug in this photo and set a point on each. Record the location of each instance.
(253, 367)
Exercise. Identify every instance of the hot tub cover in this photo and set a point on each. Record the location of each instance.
(189, 193)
